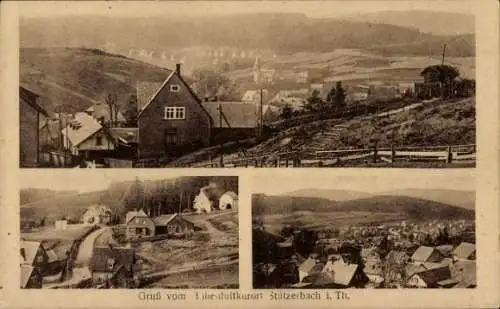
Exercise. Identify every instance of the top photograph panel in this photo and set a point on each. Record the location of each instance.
(265, 84)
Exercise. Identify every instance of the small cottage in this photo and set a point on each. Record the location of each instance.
(138, 225)
(228, 200)
(208, 199)
(97, 214)
(84, 135)
(429, 277)
(112, 267)
(171, 119)
(174, 225)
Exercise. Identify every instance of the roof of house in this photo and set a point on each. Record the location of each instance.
(125, 135)
(101, 110)
(231, 194)
(26, 272)
(81, 128)
(464, 250)
(307, 266)
(343, 273)
(465, 273)
(135, 213)
(166, 219)
(238, 114)
(442, 69)
(445, 249)
(30, 97)
(101, 256)
(145, 93)
(422, 253)
(29, 250)
(434, 275)
(320, 279)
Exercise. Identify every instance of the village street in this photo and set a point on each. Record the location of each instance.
(81, 271)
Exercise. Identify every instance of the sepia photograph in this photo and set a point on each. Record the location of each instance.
(246, 84)
(364, 232)
(124, 232)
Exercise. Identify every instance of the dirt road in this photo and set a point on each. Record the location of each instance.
(86, 248)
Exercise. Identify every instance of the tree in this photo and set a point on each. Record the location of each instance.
(286, 112)
(314, 103)
(134, 197)
(111, 102)
(339, 99)
(131, 111)
(211, 83)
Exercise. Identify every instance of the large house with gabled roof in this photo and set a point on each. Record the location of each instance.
(171, 119)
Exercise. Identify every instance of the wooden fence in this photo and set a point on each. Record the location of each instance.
(332, 158)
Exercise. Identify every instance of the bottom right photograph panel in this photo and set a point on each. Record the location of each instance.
(385, 230)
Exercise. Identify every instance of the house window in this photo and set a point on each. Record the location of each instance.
(171, 137)
(98, 140)
(175, 113)
(175, 88)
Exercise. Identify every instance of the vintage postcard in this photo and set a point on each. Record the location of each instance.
(239, 154)
(274, 85)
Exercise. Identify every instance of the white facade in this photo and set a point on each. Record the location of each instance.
(228, 200)
(202, 203)
(61, 225)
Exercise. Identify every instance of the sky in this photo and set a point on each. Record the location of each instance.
(370, 181)
(313, 9)
(84, 180)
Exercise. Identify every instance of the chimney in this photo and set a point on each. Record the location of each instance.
(178, 69)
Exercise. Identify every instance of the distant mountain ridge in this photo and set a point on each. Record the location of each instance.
(413, 208)
(330, 194)
(442, 23)
(253, 31)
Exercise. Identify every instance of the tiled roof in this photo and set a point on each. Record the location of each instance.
(166, 219)
(464, 250)
(30, 97)
(434, 275)
(145, 92)
(132, 214)
(81, 128)
(422, 253)
(307, 266)
(30, 249)
(238, 114)
(26, 271)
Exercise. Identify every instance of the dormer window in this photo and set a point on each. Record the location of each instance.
(173, 112)
(175, 88)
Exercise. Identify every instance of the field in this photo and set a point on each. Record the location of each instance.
(326, 220)
(70, 234)
(208, 259)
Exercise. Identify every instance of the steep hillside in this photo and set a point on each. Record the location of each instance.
(334, 195)
(33, 195)
(257, 31)
(413, 208)
(75, 78)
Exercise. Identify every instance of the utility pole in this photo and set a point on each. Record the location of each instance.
(220, 126)
(444, 50)
(261, 113)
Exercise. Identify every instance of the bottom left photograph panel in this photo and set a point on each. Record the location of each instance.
(100, 231)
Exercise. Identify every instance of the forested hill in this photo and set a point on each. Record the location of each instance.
(170, 194)
(413, 208)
